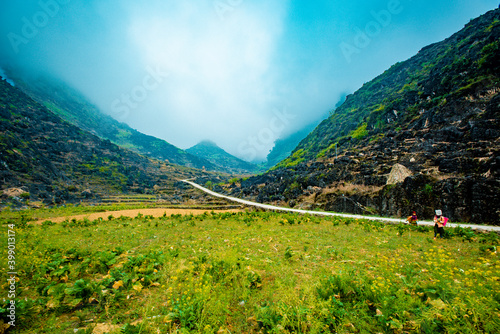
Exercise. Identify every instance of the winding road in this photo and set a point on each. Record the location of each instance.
(323, 213)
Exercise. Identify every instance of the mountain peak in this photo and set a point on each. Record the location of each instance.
(209, 150)
(206, 143)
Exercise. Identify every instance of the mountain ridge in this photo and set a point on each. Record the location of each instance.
(376, 105)
(72, 106)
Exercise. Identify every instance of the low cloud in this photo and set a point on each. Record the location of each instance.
(219, 70)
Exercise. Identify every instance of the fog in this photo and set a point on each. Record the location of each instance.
(238, 72)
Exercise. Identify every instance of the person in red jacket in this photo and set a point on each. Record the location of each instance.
(413, 218)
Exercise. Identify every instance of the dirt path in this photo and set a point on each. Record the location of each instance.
(132, 213)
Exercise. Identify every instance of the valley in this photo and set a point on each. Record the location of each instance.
(110, 230)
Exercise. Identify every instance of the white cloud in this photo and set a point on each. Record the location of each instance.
(219, 69)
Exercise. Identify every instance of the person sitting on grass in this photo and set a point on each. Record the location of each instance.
(413, 218)
(438, 224)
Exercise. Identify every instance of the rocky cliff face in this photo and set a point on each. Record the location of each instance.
(436, 114)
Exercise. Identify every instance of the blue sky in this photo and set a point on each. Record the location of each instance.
(238, 72)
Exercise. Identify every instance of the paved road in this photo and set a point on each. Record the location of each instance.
(322, 213)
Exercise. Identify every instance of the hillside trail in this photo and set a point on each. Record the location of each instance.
(323, 213)
(155, 212)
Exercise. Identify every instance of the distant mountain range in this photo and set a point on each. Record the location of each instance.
(218, 157)
(433, 119)
(73, 107)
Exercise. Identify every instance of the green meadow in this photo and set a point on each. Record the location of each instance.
(248, 272)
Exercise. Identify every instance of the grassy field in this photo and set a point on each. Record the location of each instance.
(248, 273)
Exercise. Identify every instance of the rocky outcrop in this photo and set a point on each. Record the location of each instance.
(398, 174)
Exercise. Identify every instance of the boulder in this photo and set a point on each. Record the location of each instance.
(87, 193)
(13, 192)
(398, 174)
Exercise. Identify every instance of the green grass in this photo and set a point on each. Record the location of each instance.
(250, 273)
(360, 132)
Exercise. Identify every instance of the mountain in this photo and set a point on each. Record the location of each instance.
(210, 151)
(47, 158)
(76, 109)
(421, 136)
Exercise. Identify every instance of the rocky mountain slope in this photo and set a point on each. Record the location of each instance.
(76, 109)
(46, 158)
(423, 135)
(218, 157)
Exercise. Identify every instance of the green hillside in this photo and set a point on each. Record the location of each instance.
(460, 66)
(283, 147)
(51, 160)
(76, 109)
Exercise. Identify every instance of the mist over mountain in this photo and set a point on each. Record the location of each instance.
(422, 135)
(76, 109)
(186, 71)
(52, 161)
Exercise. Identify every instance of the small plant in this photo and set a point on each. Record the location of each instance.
(48, 223)
(428, 190)
(466, 233)
(334, 253)
(402, 228)
(130, 329)
(248, 221)
(254, 280)
(487, 248)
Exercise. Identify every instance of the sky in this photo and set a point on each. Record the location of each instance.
(240, 73)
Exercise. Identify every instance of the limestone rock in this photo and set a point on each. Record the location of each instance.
(13, 192)
(398, 174)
